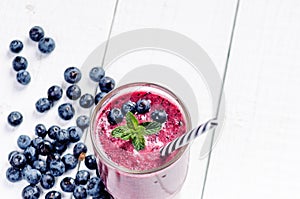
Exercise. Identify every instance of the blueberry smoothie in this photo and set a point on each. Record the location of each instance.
(130, 125)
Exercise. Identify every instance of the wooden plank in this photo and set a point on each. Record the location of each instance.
(257, 156)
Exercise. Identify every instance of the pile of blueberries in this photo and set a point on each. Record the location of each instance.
(43, 158)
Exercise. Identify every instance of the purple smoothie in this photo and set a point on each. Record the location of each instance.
(130, 173)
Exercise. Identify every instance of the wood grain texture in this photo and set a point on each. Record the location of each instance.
(257, 156)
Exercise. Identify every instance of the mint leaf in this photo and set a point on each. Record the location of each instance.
(131, 121)
(151, 127)
(119, 131)
(138, 141)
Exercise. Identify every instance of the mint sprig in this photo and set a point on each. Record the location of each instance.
(136, 132)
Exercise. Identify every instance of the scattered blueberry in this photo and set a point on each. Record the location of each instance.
(86, 101)
(33, 176)
(80, 192)
(11, 154)
(99, 96)
(95, 186)
(67, 184)
(23, 141)
(52, 131)
(36, 33)
(96, 73)
(159, 116)
(142, 106)
(31, 154)
(82, 177)
(53, 195)
(43, 104)
(73, 92)
(55, 93)
(57, 168)
(19, 63)
(36, 141)
(18, 160)
(13, 174)
(23, 77)
(16, 46)
(79, 148)
(63, 136)
(66, 111)
(45, 148)
(47, 181)
(70, 161)
(59, 147)
(90, 162)
(106, 84)
(72, 75)
(25, 170)
(83, 121)
(52, 157)
(128, 106)
(15, 118)
(40, 130)
(40, 165)
(31, 192)
(75, 133)
(46, 45)
(115, 116)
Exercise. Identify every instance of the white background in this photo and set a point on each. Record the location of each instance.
(257, 155)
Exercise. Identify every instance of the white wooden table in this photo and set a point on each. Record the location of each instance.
(257, 153)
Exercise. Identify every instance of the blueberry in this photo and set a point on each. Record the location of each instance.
(47, 181)
(106, 84)
(63, 136)
(25, 170)
(52, 131)
(103, 195)
(15, 118)
(79, 148)
(96, 73)
(75, 133)
(43, 104)
(67, 184)
(23, 77)
(55, 93)
(40, 130)
(52, 157)
(59, 147)
(23, 141)
(11, 154)
(31, 192)
(115, 116)
(73, 92)
(143, 106)
(99, 97)
(33, 176)
(13, 174)
(83, 121)
(82, 177)
(19, 63)
(18, 161)
(40, 165)
(36, 141)
(45, 148)
(80, 192)
(128, 106)
(70, 161)
(159, 116)
(66, 111)
(53, 195)
(90, 162)
(95, 186)
(16, 46)
(72, 75)
(57, 168)
(86, 101)
(36, 33)
(46, 45)
(31, 154)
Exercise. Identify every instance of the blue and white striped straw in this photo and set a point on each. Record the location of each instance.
(188, 137)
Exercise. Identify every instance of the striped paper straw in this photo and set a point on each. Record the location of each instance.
(188, 137)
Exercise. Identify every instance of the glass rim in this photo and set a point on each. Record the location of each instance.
(111, 163)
